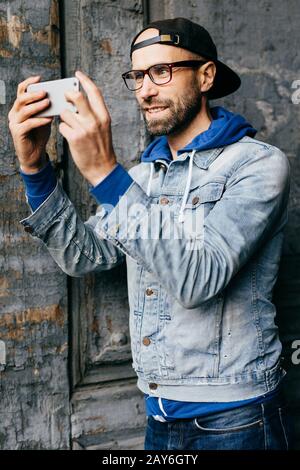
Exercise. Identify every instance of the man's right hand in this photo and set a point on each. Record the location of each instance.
(30, 134)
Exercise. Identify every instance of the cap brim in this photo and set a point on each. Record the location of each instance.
(226, 82)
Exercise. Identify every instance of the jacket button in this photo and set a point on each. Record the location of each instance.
(149, 291)
(146, 341)
(153, 386)
(28, 229)
(195, 200)
(160, 165)
(114, 230)
(164, 201)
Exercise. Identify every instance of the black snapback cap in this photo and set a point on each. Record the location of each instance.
(184, 33)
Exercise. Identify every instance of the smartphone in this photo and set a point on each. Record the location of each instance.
(56, 90)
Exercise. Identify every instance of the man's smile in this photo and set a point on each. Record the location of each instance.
(156, 109)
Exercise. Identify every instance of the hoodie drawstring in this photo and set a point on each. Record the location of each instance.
(187, 188)
(150, 179)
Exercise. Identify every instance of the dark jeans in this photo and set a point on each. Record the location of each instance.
(263, 426)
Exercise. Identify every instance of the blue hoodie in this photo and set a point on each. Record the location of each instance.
(225, 129)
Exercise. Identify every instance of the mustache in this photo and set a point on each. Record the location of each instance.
(152, 103)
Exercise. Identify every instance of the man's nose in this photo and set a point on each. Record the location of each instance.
(148, 89)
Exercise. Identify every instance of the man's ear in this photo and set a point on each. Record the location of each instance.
(206, 75)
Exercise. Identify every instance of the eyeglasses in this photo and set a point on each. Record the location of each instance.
(160, 74)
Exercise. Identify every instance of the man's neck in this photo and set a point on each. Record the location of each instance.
(200, 124)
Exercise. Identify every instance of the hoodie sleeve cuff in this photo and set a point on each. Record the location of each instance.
(39, 185)
(114, 185)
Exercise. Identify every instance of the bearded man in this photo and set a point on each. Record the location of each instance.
(200, 223)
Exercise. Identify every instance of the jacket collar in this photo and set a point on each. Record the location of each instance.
(204, 158)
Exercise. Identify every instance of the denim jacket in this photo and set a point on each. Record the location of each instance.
(202, 237)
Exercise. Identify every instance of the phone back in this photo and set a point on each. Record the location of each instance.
(56, 90)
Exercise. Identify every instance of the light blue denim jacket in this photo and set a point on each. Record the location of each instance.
(202, 237)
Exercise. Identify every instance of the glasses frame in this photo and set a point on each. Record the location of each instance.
(182, 63)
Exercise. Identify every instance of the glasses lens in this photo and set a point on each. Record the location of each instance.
(134, 79)
(160, 74)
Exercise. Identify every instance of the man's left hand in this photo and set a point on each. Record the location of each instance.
(88, 131)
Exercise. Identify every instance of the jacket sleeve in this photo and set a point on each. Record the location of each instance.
(74, 245)
(252, 208)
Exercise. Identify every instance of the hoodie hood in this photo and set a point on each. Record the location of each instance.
(226, 128)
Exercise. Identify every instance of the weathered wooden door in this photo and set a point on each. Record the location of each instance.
(107, 408)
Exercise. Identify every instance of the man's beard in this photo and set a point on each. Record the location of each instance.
(180, 114)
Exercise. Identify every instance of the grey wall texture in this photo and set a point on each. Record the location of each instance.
(65, 380)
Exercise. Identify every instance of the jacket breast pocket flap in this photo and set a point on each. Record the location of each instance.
(210, 192)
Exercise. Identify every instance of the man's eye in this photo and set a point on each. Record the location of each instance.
(138, 76)
(161, 71)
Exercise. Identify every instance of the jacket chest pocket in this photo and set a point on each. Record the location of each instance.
(207, 194)
(200, 202)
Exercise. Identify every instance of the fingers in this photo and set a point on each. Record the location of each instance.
(30, 110)
(23, 107)
(27, 98)
(94, 95)
(70, 118)
(33, 123)
(23, 85)
(66, 131)
(85, 118)
(77, 98)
